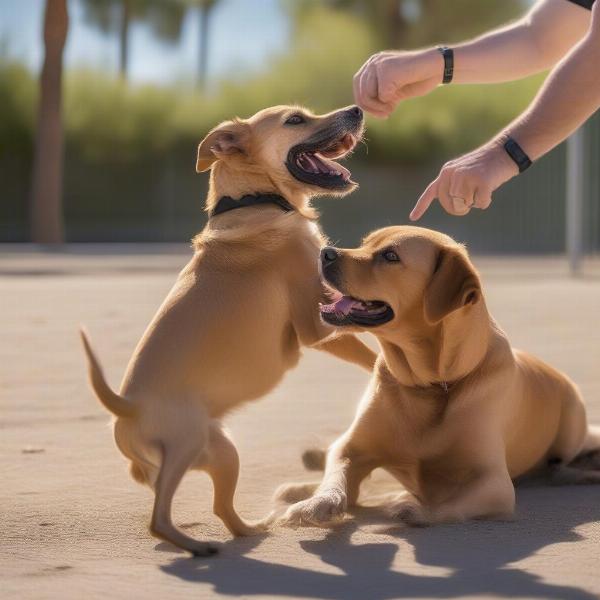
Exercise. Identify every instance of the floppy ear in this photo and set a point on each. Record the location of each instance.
(454, 284)
(228, 138)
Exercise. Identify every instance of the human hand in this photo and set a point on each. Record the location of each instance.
(468, 181)
(389, 77)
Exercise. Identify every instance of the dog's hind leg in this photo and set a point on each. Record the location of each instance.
(223, 466)
(588, 458)
(175, 463)
(591, 442)
(571, 433)
(573, 475)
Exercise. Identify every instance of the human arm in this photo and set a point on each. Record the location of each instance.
(530, 45)
(568, 98)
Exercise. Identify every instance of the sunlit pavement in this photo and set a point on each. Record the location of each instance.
(74, 523)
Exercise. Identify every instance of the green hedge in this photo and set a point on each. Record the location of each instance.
(114, 128)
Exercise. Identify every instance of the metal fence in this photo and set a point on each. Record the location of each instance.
(163, 201)
(553, 208)
(591, 213)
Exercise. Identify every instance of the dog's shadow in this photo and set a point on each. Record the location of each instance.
(478, 555)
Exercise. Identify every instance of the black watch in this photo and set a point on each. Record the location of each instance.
(518, 155)
(448, 55)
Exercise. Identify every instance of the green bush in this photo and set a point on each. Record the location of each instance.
(447, 122)
(17, 106)
(106, 120)
(130, 149)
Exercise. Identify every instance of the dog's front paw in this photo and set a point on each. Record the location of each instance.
(409, 512)
(321, 510)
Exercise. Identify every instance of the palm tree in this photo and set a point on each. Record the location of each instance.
(124, 38)
(164, 16)
(205, 8)
(46, 194)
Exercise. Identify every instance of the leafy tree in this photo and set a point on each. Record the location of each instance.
(412, 23)
(443, 21)
(46, 196)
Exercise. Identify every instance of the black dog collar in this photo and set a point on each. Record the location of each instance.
(227, 203)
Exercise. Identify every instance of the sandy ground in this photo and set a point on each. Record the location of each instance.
(73, 524)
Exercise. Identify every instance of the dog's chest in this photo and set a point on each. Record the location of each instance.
(419, 427)
(423, 447)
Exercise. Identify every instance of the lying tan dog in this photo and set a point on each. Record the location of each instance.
(452, 411)
(240, 310)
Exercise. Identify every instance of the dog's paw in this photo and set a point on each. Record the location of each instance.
(409, 512)
(319, 511)
(290, 493)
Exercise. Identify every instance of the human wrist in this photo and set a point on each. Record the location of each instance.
(433, 63)
(508, 163)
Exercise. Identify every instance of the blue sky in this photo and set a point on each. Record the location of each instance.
(244, 34)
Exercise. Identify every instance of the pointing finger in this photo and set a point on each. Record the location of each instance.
(424, 202)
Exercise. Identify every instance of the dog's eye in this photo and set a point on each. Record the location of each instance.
(390, 256)
(295, 120)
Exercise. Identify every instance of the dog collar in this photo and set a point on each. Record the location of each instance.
(227, 203)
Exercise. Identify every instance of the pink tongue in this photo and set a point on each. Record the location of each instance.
(343, 306)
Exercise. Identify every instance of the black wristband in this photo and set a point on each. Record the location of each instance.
(448, 55)
(517, 154)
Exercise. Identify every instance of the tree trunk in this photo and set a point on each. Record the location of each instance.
(204, 11)
(124, 38)
(46, 194)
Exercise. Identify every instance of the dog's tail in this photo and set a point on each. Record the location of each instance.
(313, 459)
(113, 402)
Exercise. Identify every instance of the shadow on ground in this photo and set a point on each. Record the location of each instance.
(479, 554)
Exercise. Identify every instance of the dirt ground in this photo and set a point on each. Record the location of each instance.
(74, 525)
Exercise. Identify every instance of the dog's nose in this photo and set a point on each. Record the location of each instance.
(328, 255)
(355, 112)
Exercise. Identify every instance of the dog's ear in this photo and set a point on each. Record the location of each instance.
(453, 285)
(230, 137)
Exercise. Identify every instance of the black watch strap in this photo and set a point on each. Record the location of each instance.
(448, 55)
(517, 154)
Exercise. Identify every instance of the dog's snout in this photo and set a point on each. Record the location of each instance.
(355, 112)
(328, 255)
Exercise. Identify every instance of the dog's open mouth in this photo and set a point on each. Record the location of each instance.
(346, 310)
(312, 162)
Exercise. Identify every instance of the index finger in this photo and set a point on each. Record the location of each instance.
(424, 202)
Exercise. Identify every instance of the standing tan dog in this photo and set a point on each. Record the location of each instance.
(240, 310)
(452, 411)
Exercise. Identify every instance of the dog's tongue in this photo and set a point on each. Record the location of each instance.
(341, 305)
